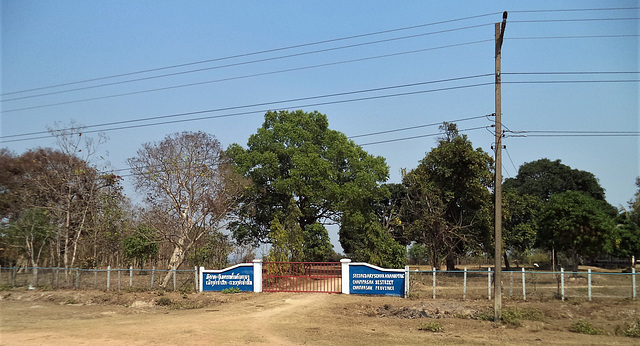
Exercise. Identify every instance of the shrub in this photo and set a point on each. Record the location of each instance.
(231, 290)
(163, 301)
(433, 326)
(632, 330)
(584, 327)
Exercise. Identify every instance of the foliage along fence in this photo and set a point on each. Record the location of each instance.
(523, 284)
(105, 278)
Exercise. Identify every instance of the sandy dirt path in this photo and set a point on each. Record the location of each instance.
(99, 318)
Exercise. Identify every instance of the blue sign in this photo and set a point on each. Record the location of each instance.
(240, 276)
(368, 279)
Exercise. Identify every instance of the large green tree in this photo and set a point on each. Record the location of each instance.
(448, 204)
(577, 223)
(295, 158)
(543, 178)
(627, 239)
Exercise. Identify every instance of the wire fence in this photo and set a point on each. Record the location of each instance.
(522, 285)
(132, 279)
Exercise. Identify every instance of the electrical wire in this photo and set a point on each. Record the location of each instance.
(253, 61)
(414, 127)
(511, 160)
(245, 76)
(419, 136)
(266, 103)
(568, 37)
(576, 10)
(377, 133)
(368, 98)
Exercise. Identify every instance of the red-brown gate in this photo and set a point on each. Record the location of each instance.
(324, 277)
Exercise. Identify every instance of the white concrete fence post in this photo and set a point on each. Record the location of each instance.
(406, 281)
(130, 276)
(344, 280)
(175, 278)
(434, 282)
(589, 281)
(464, 285)
(562, 281)
(195, 277)
(108, 277)
(489, 282)
(257, 275)
(524, 286)
(633, 281)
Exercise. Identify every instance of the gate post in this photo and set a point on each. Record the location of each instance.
(344, 263)
(257, 275)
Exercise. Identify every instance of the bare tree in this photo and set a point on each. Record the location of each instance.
(190, 186)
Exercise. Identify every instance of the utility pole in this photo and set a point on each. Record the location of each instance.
(497, 308)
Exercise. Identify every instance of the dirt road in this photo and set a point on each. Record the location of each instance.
(100, 318)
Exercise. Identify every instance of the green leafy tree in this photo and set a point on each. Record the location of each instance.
(577, 223)
(294, 158)
(31, 233)
(543, 178)
(418, 254)
(371, 230)
(287, 238)
(448, 204)
(142, 245)
(627, 239)
(520, 229)
(212, 251)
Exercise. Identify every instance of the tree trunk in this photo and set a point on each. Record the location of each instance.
(179, 253)
(506, 260)
(451, 261)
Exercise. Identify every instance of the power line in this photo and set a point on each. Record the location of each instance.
(275, 50)
(373, 134)
(573, 81)
(571, 20)
(414, 127)
(571, 133)
(571, 73)
(509, 156)
(568, 37)
(245, 76)
(419, 136)
(266, 103)
(577, 10)
(264, 110)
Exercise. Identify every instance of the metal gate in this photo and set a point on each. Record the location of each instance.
(325, 277)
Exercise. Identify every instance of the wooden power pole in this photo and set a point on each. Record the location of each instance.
(497, 309)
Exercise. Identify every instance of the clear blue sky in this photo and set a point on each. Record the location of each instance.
(48, 43)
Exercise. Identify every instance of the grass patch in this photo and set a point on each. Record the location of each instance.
(584, 327)
(163, 301)
(432, 326)
(632, 330)
(514, 316)
(231, 290)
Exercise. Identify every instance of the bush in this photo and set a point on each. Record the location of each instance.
(584, 327)
(231, 290)
(433, 326)
(632, 330)
(163, 301)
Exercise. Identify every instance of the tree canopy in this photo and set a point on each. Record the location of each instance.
(448, 204)
(190, 188)
(543, 178)
(296, 158)
(578, 223)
